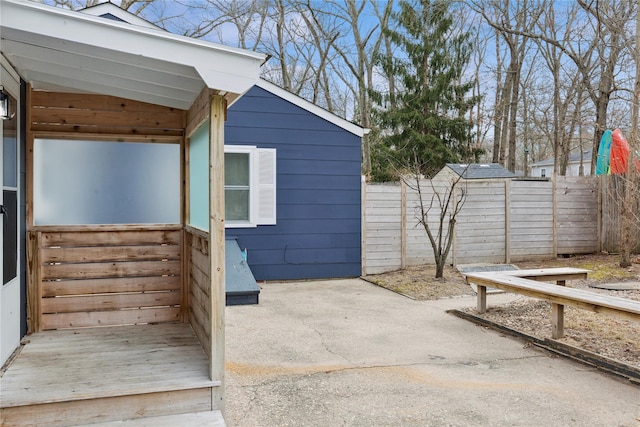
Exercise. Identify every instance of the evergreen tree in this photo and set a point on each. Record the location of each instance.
(423, 126)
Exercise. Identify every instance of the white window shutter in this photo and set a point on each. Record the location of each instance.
(266, 186)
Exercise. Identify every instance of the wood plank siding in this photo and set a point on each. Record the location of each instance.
(481, 226)
(100, 114)
(612, 196)
(98, 278)
(531, 210)
(383, 231)
(318, 227)
(199, 289)
(577, 215)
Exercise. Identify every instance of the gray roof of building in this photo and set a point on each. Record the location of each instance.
(480, 170)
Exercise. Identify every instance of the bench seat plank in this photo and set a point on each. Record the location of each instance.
(558, 294)
(549, 274)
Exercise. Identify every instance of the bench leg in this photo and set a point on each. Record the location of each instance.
(558, 316)
(482, 299)
(557, 319)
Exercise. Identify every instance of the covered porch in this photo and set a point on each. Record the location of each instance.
(125, 293)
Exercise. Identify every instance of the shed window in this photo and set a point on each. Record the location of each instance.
(249, 186)
(237, 187)
(543, 173)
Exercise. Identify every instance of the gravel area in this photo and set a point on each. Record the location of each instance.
(608, 336)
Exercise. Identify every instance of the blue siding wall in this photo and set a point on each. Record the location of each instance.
(318, 191)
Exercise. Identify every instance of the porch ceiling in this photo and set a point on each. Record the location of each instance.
(56, 49)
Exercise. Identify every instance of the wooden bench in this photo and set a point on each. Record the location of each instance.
(558, 275)
(531, 283)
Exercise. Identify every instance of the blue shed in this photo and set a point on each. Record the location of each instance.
(307, 225)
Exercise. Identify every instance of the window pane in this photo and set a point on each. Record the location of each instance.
(236, 169)
(92, 182)
(199, 178)
(236, 204)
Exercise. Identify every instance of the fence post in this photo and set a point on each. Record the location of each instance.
(363, 225)
(454, 243)
(554, 195)
(600, 189)
(507, 221)
(403, 224)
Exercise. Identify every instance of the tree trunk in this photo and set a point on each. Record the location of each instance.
(506, 95)
(440, 268)
(601, 125)
(286, 78)
(513, 112)
(498, 105)
(631, 184)
(605, 88)
(510, 122)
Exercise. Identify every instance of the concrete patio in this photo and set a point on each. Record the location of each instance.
(348, 353)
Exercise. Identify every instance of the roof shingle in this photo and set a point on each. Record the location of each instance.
(480, 170)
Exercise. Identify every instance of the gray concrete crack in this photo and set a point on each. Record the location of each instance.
(324, 343)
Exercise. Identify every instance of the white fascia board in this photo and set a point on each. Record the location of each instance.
(220, 67)
(312, 108)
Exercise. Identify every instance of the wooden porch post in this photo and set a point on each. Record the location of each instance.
(216, 245)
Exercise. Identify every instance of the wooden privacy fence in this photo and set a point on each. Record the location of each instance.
(612, 199)
(501, 221)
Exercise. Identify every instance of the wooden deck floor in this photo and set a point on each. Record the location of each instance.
(106, 363)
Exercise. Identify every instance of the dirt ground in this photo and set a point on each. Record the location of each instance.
(607, 336)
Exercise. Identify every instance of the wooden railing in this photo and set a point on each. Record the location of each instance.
(103, 276)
